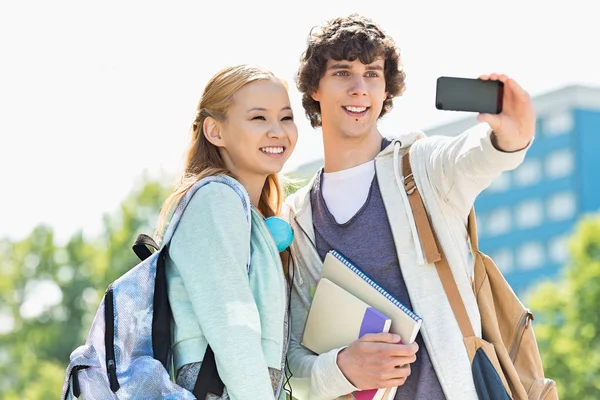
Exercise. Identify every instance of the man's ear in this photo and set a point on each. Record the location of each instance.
(211, 130)
(316, 96)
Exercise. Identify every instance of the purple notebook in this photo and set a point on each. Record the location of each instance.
(373, 322)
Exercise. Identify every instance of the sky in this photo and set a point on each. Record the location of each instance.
(95, 94)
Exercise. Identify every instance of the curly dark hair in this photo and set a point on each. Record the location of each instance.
(347, 38)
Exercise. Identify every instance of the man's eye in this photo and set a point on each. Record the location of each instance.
(341, 73)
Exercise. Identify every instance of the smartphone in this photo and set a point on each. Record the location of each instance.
(472, 95)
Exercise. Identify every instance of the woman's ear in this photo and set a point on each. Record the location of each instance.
(211, 131)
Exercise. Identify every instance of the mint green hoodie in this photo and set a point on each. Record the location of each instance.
(213, 298)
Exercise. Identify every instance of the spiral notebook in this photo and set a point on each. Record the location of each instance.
(337, 318)
(343, 273)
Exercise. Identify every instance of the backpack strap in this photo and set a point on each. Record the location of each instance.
(433, 251)
(426, 235)
(143, 241)
(472, 231)
(224, 179)
(208, 378)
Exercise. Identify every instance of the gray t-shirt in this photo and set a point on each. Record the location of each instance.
(367, 241)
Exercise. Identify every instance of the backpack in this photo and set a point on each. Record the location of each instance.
(127, 353)
(505, 362)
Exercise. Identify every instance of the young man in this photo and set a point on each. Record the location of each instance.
(349, 75)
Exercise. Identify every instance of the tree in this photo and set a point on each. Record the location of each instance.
(49, 294)
(33, 343)
(568, 322)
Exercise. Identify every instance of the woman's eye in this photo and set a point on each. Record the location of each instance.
(259, 117)
(288, 118)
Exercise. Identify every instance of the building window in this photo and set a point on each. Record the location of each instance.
(529, 173)
(529, 214)
(531, 256)
(558, 248)
(497, 222)
(501, 183)
(562, 206)
(559, 164)
(503, 258)
(558, 123)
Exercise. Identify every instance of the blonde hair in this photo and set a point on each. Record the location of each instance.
(203, 158)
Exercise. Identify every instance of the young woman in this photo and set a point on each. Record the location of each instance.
(244, 130)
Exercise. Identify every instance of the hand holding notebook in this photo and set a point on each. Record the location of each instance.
(377, 361)
(335, 321)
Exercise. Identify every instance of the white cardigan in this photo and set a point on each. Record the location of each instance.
(449, 172)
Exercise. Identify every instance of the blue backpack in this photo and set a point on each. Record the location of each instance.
(127, 354)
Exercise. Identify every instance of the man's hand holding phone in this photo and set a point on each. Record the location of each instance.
(514, 127)
(500, 102)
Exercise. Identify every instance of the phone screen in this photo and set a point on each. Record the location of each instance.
(473, 95)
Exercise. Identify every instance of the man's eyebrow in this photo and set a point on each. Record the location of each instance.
(374, 67)
(339, 66)
(370, 67)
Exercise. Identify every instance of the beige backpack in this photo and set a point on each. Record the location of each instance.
(508, 341)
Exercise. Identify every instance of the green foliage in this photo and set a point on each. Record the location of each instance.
(292, 184)
(49, 293)
(568, 327)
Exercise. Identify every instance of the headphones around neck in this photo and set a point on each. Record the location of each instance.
(281, 231)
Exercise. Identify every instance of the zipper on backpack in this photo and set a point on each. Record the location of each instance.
(109, 339)
(521, 328)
